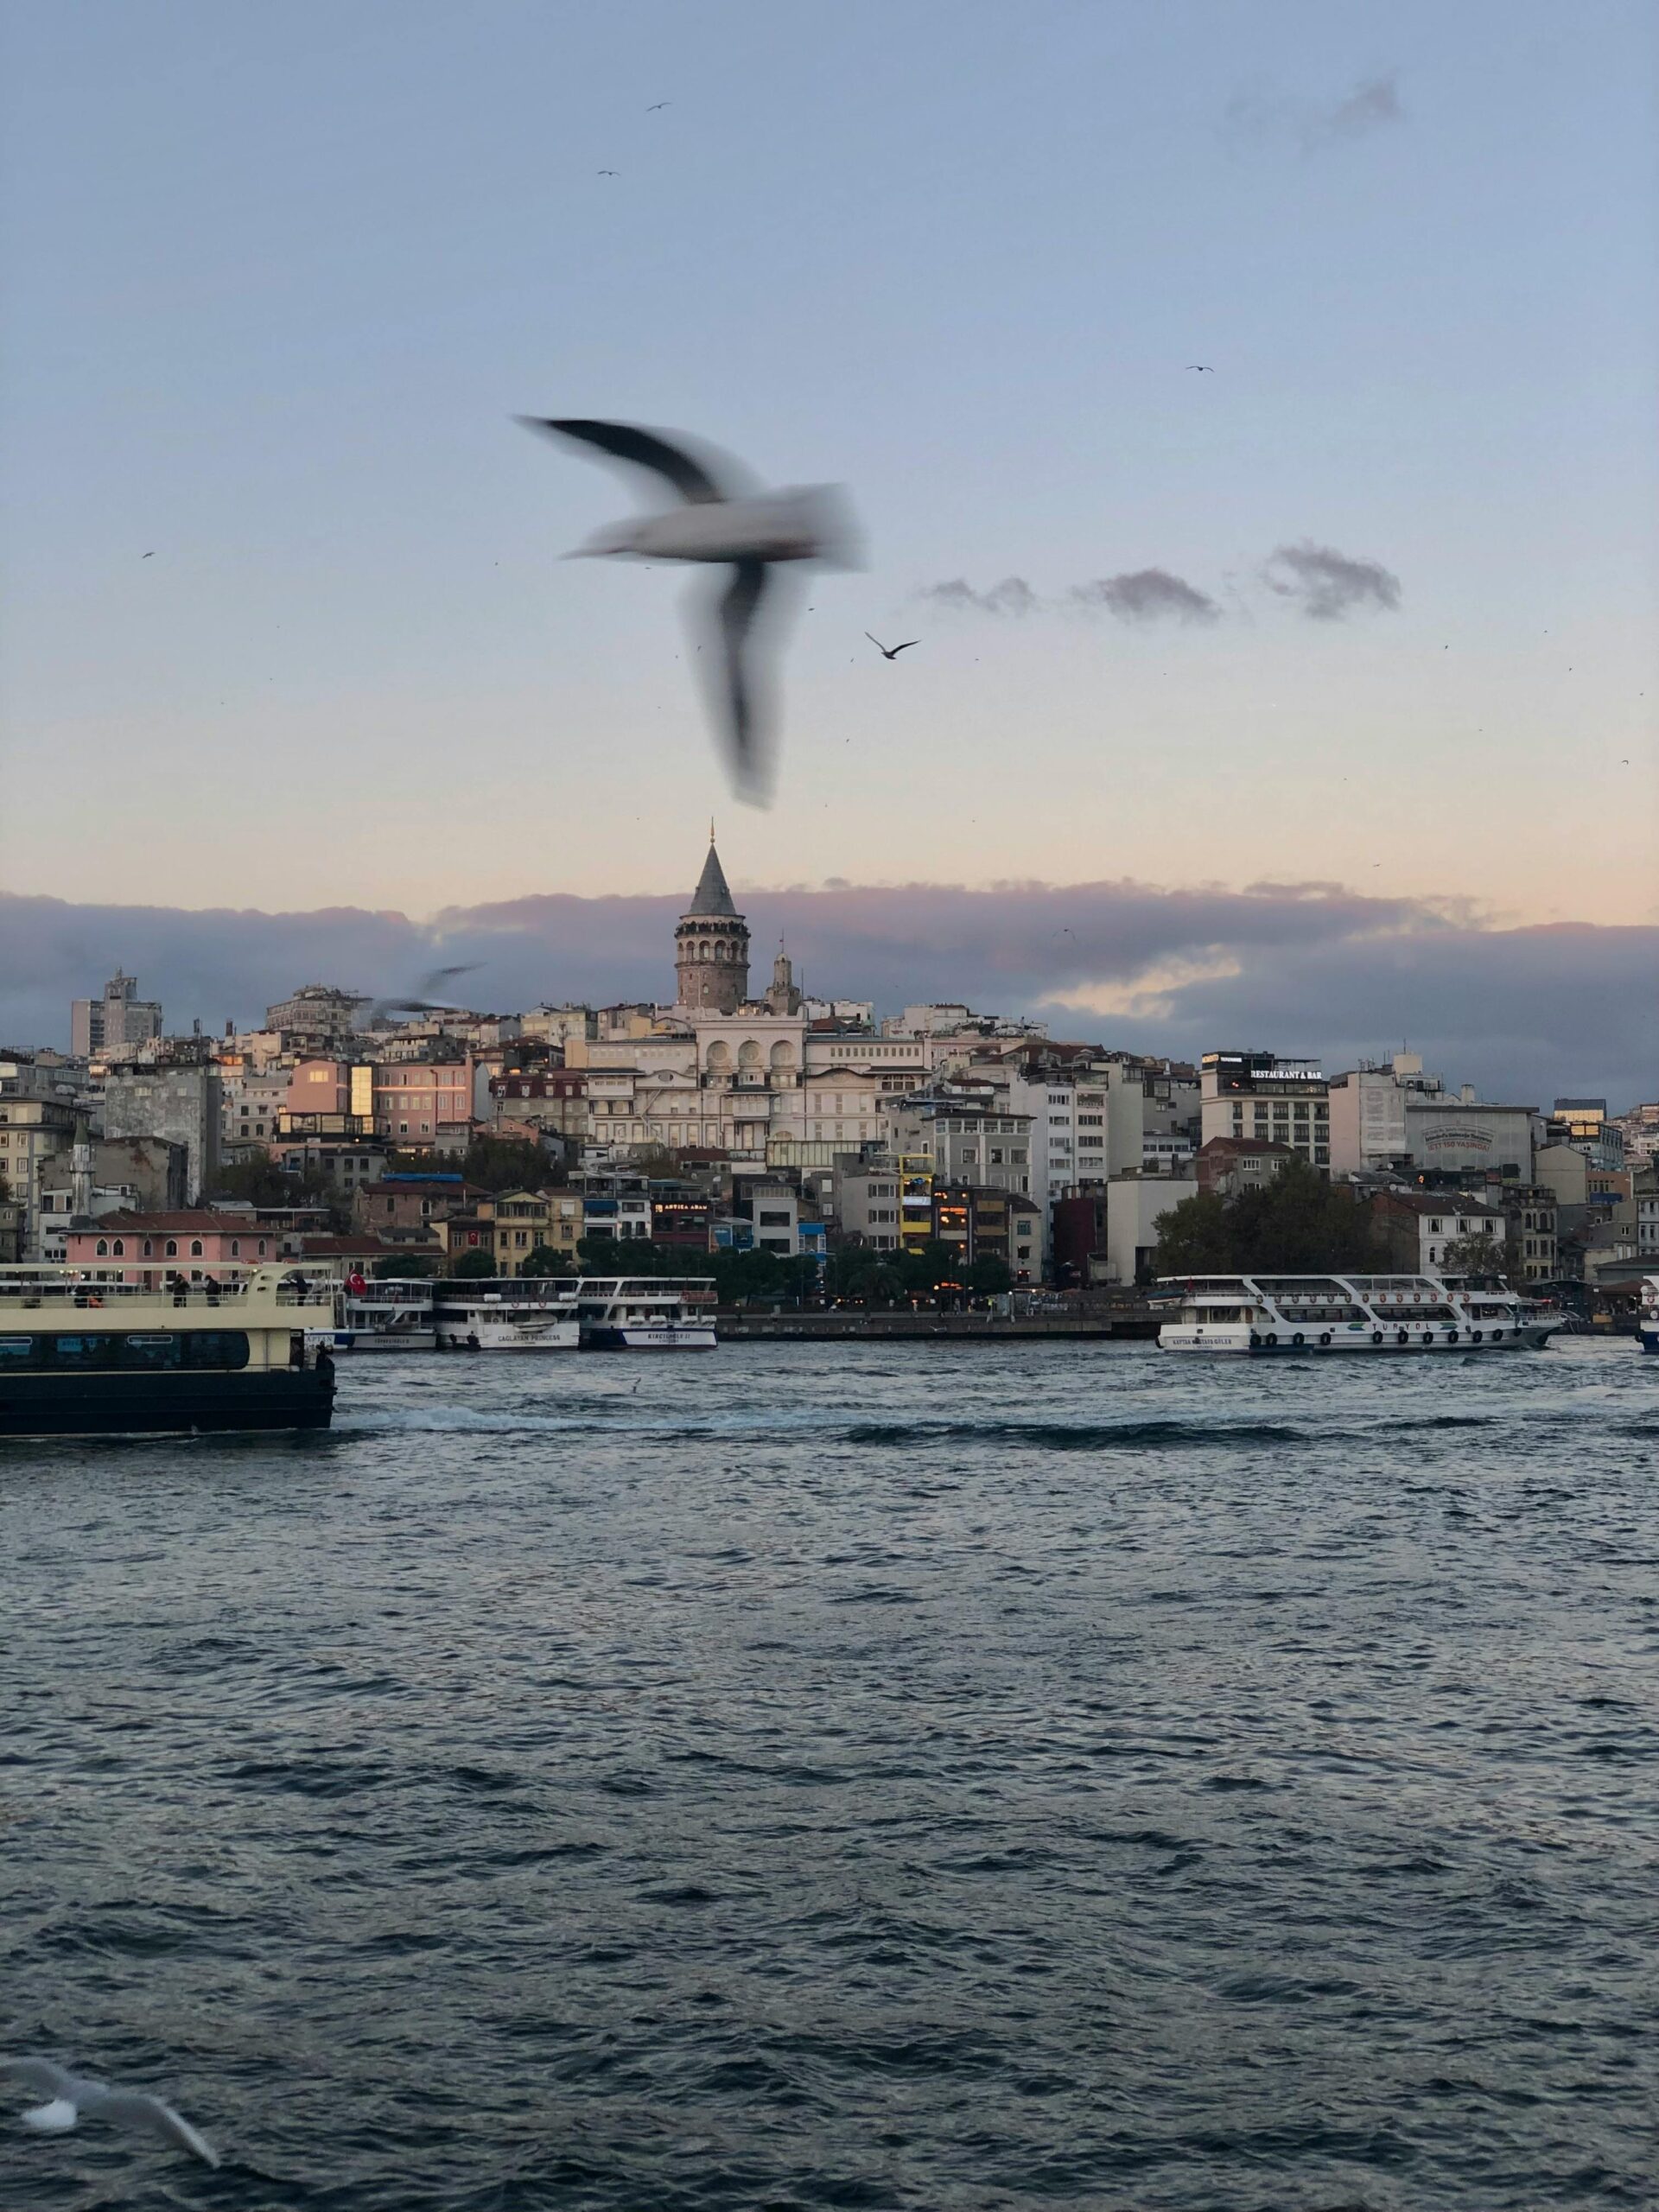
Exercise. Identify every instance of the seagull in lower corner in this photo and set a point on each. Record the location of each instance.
(891, 652)
(71, 2097)
(722, 518)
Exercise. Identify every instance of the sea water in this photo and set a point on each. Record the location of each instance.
(940, 1776)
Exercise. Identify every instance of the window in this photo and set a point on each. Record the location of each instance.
(80, 1351)
(120, 1248)
(151, 1351)
(15, 1352)
(196, 1248)
(215, 1348)
(172, 1248)
(103, 1248)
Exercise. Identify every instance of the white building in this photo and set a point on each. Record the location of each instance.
(114, 1023)
(1135, 1206)
(1261, 1095)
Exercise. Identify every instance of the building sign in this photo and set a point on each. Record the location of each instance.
(1457, 1140)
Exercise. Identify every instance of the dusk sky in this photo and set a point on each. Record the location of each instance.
(1368, 604)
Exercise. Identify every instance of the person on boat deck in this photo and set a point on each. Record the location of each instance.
(325, 1362)
(176, 1284)
(472, 1340)
(212, 1288)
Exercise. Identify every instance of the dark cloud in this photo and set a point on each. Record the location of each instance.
(1528, 1013)
(1014, 595)
(1326, 583)
(1373, 105)
(1148, 595)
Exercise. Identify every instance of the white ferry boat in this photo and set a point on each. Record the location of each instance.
(646, 1312)
(389, 1315)
(84, 1354)
(1647, 1316)
(506, 1313)
(1363, 1313)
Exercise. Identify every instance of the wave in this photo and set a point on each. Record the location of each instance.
(1094, 1436)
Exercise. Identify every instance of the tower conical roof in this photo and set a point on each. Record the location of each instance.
(712, 895)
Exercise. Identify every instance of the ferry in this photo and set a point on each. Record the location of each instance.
(82, 1354)
(506, 1313)
(646, 1312)
(1646, 1317)
(388, 1315)
(1348, 1314)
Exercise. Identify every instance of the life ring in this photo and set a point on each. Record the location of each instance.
(1451, 1335)
(1428, 1339)
(1474, 1336)
(1299, 1337)
(1497, 1336)
(1376, 1336)
(1326, 1338)
(1403, 1336)
(1273, 1335)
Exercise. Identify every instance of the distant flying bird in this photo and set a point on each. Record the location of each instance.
(655, 104)
(891, 652)
(403, 1007)
(608, 171)
(721, 518)
(1204, 368)
(73, 2095)
(149, 556)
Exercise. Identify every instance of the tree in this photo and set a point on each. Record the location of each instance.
(1297, 1223)
(654, 1161)
(544, 1260)
(989, 1275)
(1482, 1254)
(471, 1265)
(258, 1181)
(1195, 1237)
(392, 1269)
(506, 1163)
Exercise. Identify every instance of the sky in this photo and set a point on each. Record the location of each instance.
(1365, 603)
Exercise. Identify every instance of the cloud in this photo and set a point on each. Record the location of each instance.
(1524, 1014)
(1014, 595)
(1373, 105)
(1148, 595)
(1328, 584)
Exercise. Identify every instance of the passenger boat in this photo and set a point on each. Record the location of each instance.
(81, 1355)
(646, 1312)
(388, 1316)
(1348, 1314)
(506, 1313)
(1647, 1316)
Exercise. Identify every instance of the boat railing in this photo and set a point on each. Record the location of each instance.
(89, 1291)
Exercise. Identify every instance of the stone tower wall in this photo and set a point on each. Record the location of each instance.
(711, 962)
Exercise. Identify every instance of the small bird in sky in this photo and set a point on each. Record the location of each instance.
(150, 556)
(73, 2095)
(608, 171)
(656, 104)
(1204, 368)
(722, 518)
(891, 652)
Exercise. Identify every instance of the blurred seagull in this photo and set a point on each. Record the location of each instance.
(655, 104)
(722, 518)
(891, 652)
(401, 1007)
(608, 171)
(148, 557)
(73, 2095)
(1204, 368)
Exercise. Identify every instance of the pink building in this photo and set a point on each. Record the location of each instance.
(148, 1248)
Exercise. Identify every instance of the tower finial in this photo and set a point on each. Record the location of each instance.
(711, 828)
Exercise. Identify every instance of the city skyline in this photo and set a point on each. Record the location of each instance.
(1255, 431)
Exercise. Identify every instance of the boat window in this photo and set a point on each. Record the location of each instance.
(81, 1351)
(150, 1350)
(216, 1348)
(15, 1351)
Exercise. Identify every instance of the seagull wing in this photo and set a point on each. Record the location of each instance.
(442, 975)
(745, 737)
(140, 2110)
(875, 641)
(627, 442)
(39, 2074)
(905, 647)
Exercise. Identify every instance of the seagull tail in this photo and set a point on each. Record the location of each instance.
(55, 2119)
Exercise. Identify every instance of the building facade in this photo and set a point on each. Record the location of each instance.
(1262, 1096)
(114, 1023)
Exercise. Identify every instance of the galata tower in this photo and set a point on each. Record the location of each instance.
(711, 945)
